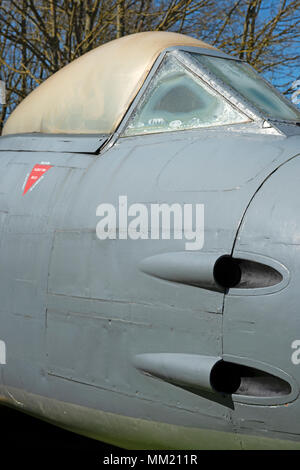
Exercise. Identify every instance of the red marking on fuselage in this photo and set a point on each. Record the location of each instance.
(37, 171)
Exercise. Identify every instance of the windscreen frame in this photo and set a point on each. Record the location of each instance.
(248, 101)
(210, 79)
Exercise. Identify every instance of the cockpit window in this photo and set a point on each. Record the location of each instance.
(248, 83)
(176, 99)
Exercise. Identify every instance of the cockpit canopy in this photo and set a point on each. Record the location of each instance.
(92, 94)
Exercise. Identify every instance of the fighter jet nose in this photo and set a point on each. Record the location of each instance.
(269, 234)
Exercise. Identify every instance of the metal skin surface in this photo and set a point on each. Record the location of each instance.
(83, 318)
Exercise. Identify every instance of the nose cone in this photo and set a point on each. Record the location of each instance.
(262, 325)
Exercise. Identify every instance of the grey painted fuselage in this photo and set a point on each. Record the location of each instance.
(77, 311)
(140, 342)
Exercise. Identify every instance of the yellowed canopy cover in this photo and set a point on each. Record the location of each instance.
(92, 93)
